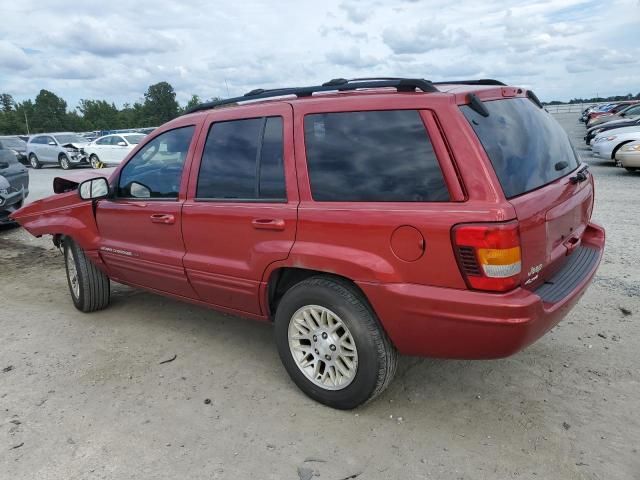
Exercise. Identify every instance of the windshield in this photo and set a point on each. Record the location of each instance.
(527, 147)
(70, 138)
(12, 143)
(134, 139)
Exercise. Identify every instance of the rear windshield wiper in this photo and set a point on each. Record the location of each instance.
(580, 176)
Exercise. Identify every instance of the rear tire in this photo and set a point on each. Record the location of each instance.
(331, 343)
(89, 286)
(34, 162)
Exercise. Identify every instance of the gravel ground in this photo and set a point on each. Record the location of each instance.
(87, 397)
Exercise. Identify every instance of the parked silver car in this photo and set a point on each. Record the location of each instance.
(64, 149)
(14, 183)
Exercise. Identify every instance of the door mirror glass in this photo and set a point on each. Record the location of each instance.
(138, 190)
(94, 189)
(122, 144)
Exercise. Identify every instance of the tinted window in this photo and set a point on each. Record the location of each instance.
(104, 141)
(157, 166)
(527, 147)
(379, 156)
(236, 154)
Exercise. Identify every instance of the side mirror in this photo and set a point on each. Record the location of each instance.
(122, 144)
(138, 190)
(51, 142)
(94, 189)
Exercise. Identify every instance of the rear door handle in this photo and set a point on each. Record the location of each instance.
(163, 218)
(268, 223)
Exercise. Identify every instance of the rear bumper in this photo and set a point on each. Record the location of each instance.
(465, 324)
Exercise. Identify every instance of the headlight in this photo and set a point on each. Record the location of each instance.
(613, 137)
(631, 148)
(597, 131)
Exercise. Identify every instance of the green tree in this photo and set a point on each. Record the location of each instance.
(160, 104)
(49, 113)
(99, 114)
(193, 101)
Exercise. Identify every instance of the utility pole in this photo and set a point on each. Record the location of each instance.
(26, 121)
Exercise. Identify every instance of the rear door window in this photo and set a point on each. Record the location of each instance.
(243, 160)
(372, 156)
(527, 147)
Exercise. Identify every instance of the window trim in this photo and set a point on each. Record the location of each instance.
(194, 139)
(258, 160)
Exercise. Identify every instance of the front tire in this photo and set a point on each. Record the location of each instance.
(95, 161)
(331, 343)
(34, 162)
(64, 162)
(89, 286)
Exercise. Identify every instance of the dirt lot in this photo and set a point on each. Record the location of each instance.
(86, 397)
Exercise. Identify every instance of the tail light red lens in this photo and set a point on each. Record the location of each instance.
(489, 255)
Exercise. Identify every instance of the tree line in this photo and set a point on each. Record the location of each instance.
(614, 98)
(48, 112)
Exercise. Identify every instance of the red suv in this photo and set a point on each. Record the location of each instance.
(365, 218)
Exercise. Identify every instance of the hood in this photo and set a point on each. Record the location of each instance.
(612, 124)
(70, 181)
(76, 145)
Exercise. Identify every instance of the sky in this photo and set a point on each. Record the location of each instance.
(115, 49)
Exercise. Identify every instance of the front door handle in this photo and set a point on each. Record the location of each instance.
(268, 223)
(165, 218)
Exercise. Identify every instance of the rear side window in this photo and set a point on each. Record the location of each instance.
(243, 160)
(527, 147)
(374, 156)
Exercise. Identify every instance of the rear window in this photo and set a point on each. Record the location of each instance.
(527, 147)
(373, 156)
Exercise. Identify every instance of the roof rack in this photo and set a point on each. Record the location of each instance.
(340, 84)
(482, 81)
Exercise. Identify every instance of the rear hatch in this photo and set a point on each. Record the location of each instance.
(537, 168)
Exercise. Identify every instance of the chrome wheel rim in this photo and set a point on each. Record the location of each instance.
(72, 273)
(34, 162)
(95, 163)
(322, 347)
(64, 162)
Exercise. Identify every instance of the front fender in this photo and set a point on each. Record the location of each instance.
(62, 214)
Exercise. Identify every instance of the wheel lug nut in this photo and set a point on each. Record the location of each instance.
(324, 335)
(332, 347)
(315, 339)
(317, 352)
(327, 357)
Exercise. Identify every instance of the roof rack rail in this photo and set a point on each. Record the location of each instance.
(482, 81)
(340, 84)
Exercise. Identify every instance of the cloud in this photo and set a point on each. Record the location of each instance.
(423, 37)
(357, 13)
(351, 57)
(12, 57)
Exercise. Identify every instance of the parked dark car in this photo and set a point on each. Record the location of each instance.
(14, 184)
(18, 145)
(593, 131)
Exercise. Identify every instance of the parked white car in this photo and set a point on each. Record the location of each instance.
(629, 156)
(110, 150)
(607, 143)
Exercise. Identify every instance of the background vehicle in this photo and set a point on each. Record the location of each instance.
(111, 149)
(606, 144)
(14, 184)
(64, 149)
(628, 156)
(610, 110)
(16, 144)
(628, 112)
(592, 132)
(290, 211)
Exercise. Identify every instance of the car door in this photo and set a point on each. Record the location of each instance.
(101, 148)
(240, 213)
(49, 149)
(140, 226)
(119, 149)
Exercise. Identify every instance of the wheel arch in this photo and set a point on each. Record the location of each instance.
(617, 147)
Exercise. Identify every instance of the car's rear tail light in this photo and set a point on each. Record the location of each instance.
(489, 255)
